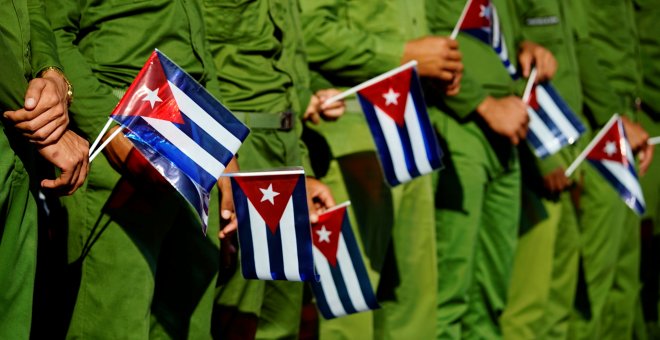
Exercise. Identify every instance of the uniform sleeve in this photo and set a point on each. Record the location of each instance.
(341, 51)
(93, 101)
(598, 95)
(42, 41)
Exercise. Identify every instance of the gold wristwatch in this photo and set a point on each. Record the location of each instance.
(69, 91)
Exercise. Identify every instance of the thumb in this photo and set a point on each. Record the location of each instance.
(525, 60)
(33, 93)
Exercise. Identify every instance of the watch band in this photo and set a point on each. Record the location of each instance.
(69, 92)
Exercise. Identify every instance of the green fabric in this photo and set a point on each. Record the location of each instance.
(26, 47)
(349, 42)
(129, 250)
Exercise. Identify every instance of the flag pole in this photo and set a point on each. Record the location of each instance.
(98, 138)
(370, 82)
(591, 145)
(653, 140)
(338, 206)
(107, 141)
(457, 28)
(529, 86)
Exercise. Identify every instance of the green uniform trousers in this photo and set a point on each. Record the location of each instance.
(276, 304)
(478, 207)
(651, 181)
(544, 278)
(610, 241)
(139, 260)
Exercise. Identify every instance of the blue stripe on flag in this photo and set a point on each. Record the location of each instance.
(303, 232)
(550, 124)
(358, 264)
(321, 301)
(379, 140)
(340, 284)
(539, 148)
(206, 141)
(151, 137)
(408, 153)
(245, 233)
(275, 254)
(623, 191)
(433, 151)
(199, 95)
(568, 113)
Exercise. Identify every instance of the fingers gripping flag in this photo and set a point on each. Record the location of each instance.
(552, 124)
(273, 225)
(397, 117)
(611, 155)
(344, 287)
(186, 134)
(480, 20)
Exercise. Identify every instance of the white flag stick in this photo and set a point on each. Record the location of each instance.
(457, 28)
(98, 138)
(529, 86)
(370, 82)
(107, 141)
(591, 145)
(654, 140)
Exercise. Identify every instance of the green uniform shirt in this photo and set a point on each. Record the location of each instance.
(484, 72)
(648, 19)
(104, 43)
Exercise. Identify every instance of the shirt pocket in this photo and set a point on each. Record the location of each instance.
(230, 19)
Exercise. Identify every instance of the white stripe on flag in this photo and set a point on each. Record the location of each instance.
(416, 137)
(350, 277)
(328, 283)
(289, 246)
(188, 146)
(555, 113)
(258, 229)
(547, 138)
(393, 140)
(495, 27)
(204, 120)
(623, 175)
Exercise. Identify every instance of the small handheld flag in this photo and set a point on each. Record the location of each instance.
(479, 19)
(610, 153)
(273, 225)
(344, 287)
(186, 134)
(552, 124)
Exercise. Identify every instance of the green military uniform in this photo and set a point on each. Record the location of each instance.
(609, 229)
(26, 48)
(349, 42)
(544, 279)
(478, 194)
(259, 54)
(143, 265)
(646, 16)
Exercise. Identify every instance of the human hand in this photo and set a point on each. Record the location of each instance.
(228, 221)
(506, 116)
(44, 117)
(319, 198)
(70, 154)
(533, 54)
(556, 181)
(437, 57)
(318, 109)
(638, 139)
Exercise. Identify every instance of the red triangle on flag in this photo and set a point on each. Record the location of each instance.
(533, 102)
(611, 146)
(269, 195)
(478, 15)
(391, 95)
(150, 95)
(325, 233)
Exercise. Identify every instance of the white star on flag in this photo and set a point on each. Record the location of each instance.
(151, 96)
(324, 234)
(269, 194)
(610, 148)
(391, 97)
(485, 11)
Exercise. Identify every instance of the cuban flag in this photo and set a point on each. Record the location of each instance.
(186, 134)
(396, 113)
(480, 20)
(611, 155)
(552, 124)
(344, 287)
(273, 225)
